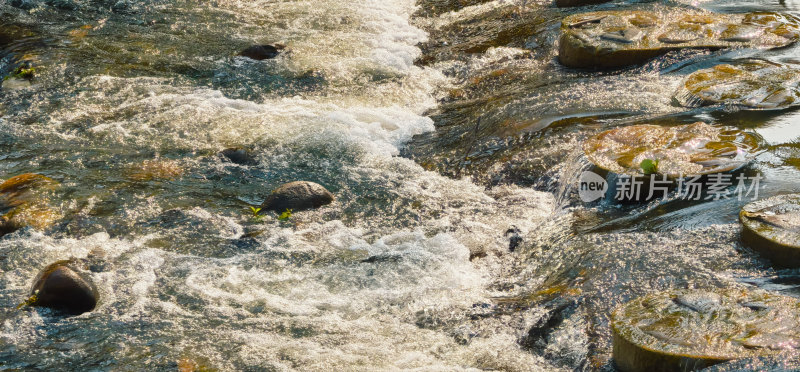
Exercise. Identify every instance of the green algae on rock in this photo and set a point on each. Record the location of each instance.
(772, 228)
(694, 149)
(685, 330)
(757, 84)
(611, 39)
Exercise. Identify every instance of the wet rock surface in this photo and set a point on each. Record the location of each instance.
(757, 84)
(262, 52)
(692, 329)
(154, 170)
(24, 202)
(779, 363)
(677, 151)
(611, 39)
(60, 287)
(297, 196)
(238, 155)
(772, 227)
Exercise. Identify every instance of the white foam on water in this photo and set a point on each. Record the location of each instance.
(327, 294)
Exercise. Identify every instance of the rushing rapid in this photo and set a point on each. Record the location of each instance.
(449, 135)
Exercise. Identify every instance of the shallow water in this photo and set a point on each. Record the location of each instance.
(437, 131)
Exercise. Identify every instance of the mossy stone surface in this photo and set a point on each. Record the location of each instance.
(613, 39)
(693, 149)
(771, 227)
(756, 85)
(686, 330)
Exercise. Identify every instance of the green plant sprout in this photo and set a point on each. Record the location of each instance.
(285, 216)
(256, 216)
(28, 302)
(649, 166)
(22, 73)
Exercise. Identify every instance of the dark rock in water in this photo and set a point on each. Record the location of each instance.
(514, 239)
(297, 196)
(572, 3)
(22, 4)
(381, 258)
(262, 52)
(558, 311)
(238, 155)
(59, 287)
(62, 4)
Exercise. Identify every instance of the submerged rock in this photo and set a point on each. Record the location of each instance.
(238, 155)
(23, 199)
(694, 149)
(771, 227)
(297, 196)
(154, 170)
(759, 85)
(610, 39)
(262, 52)
(59, 287)
(687, 330)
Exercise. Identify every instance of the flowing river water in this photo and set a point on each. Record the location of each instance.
(439, 126)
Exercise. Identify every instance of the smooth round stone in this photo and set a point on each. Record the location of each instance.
(687, 330)
(612, 39)
(756, 85)
(60, 287)
(771, 227)
(683, 150)
(262, 52)
(297, 196)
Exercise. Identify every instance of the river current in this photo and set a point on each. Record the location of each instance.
(436, 159)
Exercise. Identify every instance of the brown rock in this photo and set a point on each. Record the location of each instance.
(297, 196)
(61, 288)
(611, 39)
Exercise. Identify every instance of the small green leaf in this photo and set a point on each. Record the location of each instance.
(22, 73)
(649, 166)
(28, 302)
(285, 216)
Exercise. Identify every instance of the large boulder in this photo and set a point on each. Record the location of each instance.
(771, 227)
(687, 330)
(755, 84)
(297, 196)
(60, 287)
(611, 39)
